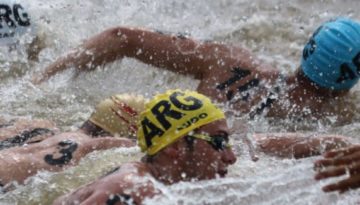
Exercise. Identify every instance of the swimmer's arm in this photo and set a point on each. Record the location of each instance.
(118, 187)
(92, 53)
(182, 54)
(298, 145)
(172, 52)
(98, 50)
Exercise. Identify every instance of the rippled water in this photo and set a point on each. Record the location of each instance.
(275, 30)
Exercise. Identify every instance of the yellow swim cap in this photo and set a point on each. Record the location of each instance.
(171, 115)
(119, 114)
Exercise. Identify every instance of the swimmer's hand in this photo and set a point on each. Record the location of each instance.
(59, 65)
(125, 185)
(342, 162)
(103, 48)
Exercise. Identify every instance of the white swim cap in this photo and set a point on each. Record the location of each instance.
(119, 114)
(14, 21)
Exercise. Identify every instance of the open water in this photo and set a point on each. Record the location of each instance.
(275, 30)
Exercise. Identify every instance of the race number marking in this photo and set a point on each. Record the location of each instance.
(66, 149)
(238, 74)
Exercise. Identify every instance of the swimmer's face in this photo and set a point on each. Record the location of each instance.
(208, 159)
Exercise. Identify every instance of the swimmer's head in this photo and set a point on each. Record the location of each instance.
(119, 114)
(331, 58)
(15, 21)
(172, 115)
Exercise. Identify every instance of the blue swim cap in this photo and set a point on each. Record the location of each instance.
(331, 58)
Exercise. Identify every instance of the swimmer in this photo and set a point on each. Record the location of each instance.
(184, 136)
(232, 75)
(340, 163)
(109, 123)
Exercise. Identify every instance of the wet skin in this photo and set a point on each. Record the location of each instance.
(52, 154)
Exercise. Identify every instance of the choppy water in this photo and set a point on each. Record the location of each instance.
(275, 30)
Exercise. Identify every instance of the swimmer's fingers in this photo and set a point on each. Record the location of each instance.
(342, 152)
(353, 170)
(344, 160)
(343, 185)
(332, 172)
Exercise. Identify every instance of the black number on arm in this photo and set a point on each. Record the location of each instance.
(67, 148)
(238, 74)
(268, 102)
(22, 138)
(251, 84)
